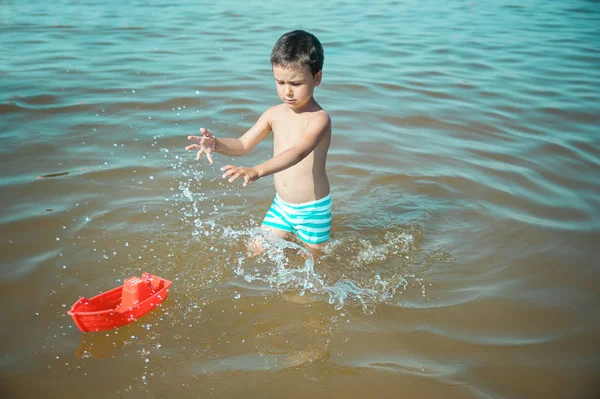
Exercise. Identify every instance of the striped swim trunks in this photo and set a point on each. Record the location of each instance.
(311, 221)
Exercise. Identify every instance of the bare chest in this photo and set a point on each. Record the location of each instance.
(287, 133)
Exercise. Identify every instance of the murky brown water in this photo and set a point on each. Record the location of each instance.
(465, 177)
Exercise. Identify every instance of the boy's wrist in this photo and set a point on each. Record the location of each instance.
(258, 170)
(215, 144)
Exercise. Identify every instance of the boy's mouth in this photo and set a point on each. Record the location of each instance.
(289, 100)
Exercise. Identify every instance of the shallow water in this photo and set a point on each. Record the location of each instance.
(465, 175)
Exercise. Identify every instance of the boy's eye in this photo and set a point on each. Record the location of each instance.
(279, 82)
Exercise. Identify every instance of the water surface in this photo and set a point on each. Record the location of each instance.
(465, 175)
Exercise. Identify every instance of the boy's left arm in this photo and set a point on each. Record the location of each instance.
(313, 134)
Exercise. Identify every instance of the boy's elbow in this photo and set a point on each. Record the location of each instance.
(303, 153)
(243, 149)
(299, 156)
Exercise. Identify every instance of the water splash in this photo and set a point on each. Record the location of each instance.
(353, 270)
(287, 266)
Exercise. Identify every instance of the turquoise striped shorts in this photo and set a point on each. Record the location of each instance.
(311, 221)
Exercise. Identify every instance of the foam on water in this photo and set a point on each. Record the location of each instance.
(288, 266)
(352, 269)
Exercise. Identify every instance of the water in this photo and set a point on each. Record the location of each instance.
(465, 176)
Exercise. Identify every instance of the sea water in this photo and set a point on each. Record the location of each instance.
(464, 171)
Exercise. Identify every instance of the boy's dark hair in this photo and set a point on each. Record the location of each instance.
(296, 49)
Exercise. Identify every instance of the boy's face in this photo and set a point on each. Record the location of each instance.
(295, 87)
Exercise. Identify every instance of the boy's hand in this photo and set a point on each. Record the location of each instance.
(233, 172)
(207, 143)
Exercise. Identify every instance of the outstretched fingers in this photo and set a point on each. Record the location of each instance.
(206, 133)
(199, 145)
(193, 147)
(208, 156)
(234, 177)
(233, 172)
(199, 154)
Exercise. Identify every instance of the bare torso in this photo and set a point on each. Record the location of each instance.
(307, 180)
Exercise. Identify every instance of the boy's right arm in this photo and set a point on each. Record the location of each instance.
(207, 143)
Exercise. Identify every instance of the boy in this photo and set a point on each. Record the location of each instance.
(301, 134)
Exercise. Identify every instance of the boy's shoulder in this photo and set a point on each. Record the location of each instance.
(319, 116)
(276, 109)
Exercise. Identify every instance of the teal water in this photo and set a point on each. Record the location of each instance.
(465, 176)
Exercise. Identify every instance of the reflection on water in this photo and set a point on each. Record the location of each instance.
(464, 166)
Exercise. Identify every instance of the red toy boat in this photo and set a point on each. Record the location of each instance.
(121, 305)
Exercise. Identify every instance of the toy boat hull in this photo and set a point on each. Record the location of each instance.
(121, 305)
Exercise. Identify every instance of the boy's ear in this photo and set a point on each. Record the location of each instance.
(318, 77)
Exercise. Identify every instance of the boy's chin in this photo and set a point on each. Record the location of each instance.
(295, 105)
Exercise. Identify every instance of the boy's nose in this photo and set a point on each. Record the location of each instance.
(289, 91)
